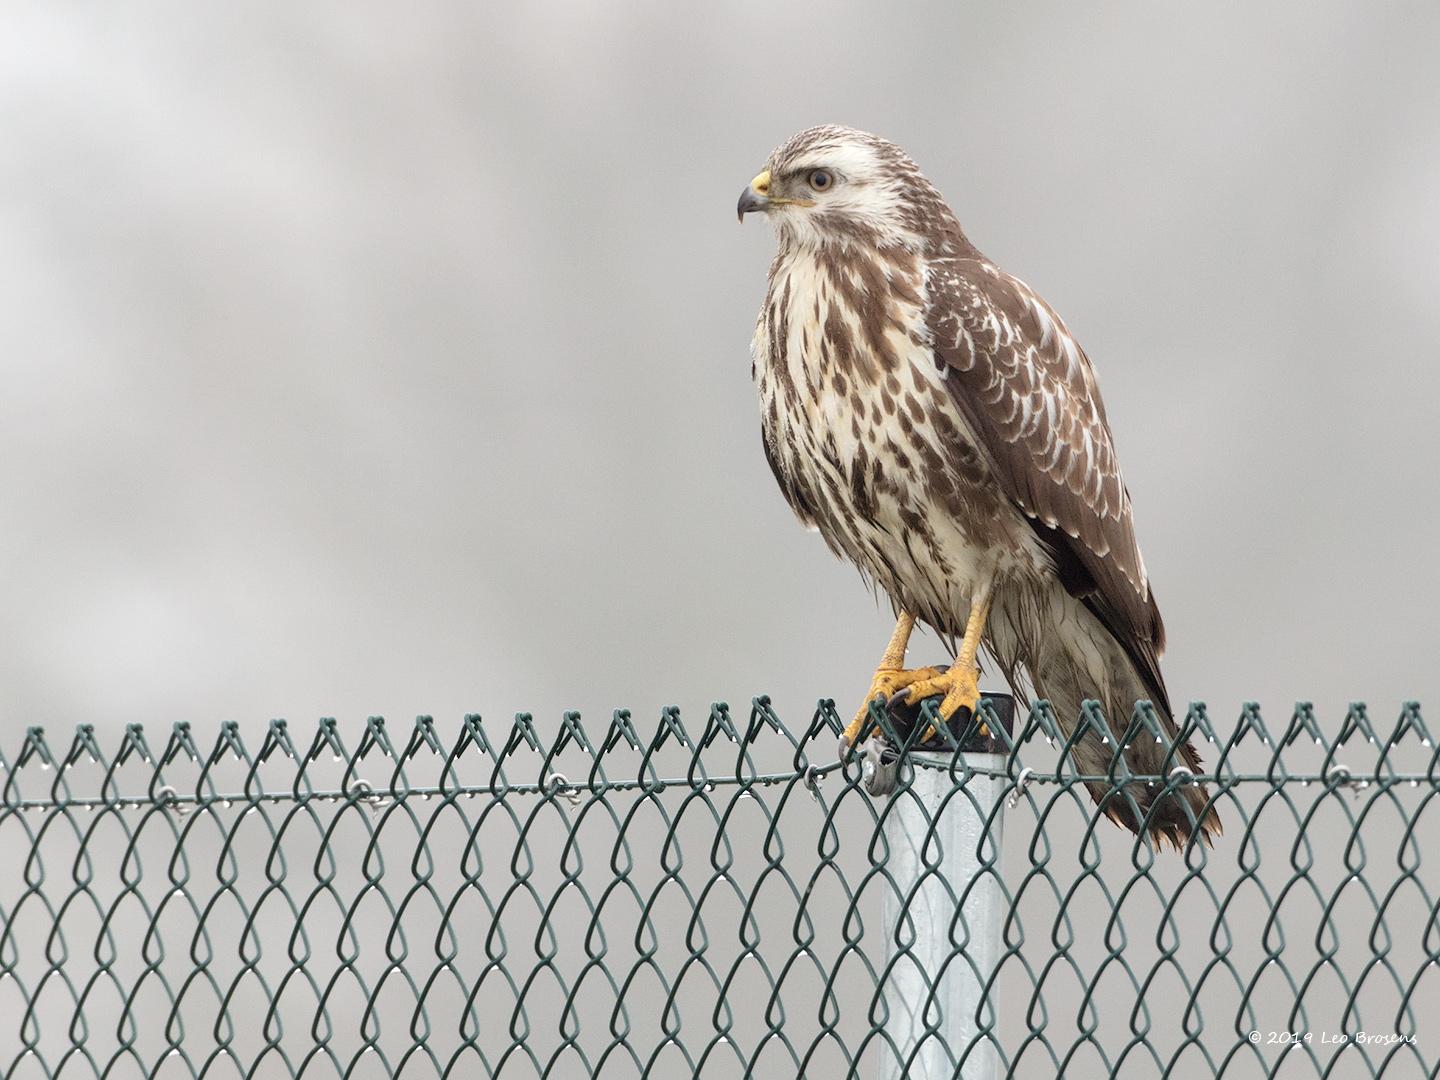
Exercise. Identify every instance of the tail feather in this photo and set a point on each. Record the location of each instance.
(1170, 807)
(1087, 663)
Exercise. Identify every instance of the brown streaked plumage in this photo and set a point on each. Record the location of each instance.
(933, 418)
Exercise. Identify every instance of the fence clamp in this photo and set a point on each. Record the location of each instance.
(559, 784)
(168, 796)
(880, 767)
(812, 782)
(1341, 776)
(363, 792)
(1021, 783)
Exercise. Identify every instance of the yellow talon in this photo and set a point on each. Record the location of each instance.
(886, 684)
(887, 674)
(960, 685)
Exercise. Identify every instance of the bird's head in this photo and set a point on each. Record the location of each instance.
(835, 185)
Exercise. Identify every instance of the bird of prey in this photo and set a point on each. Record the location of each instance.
(932, 417)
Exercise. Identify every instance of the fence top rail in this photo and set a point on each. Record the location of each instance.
(417, 762)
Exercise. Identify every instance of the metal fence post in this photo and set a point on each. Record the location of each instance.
(937, 849)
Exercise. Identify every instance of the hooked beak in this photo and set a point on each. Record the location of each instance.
(755, 197)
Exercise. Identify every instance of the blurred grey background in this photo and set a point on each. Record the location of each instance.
(367, 360)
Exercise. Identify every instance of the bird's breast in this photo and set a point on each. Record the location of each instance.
(861, 429)
(841, 349)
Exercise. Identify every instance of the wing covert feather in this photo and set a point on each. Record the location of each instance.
(1029, 394)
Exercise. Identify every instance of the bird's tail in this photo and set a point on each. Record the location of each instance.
(1067, 672)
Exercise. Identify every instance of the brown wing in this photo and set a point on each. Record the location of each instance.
(1029, 394)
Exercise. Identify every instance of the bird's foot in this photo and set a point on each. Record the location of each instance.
(886, 684)
(960, 686)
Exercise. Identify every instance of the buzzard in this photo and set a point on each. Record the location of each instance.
(935, 420)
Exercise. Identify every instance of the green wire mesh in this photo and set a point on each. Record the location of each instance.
(702, 899)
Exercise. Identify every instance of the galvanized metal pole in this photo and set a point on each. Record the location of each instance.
(941, 843)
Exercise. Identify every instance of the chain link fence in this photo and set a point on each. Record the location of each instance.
(713, 897)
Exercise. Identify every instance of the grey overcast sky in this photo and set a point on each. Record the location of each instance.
(360, 359)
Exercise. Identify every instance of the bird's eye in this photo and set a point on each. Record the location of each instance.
(820, 179)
